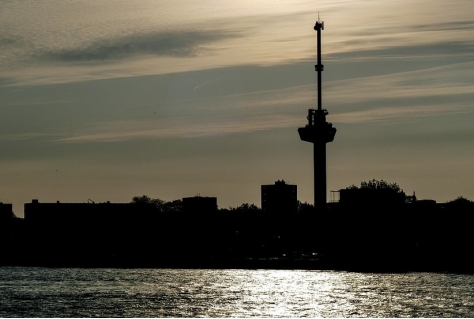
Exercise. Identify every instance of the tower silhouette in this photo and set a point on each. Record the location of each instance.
(319, 132)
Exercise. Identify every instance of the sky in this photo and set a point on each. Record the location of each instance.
(106, 100)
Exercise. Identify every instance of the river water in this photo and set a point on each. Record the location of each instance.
(75, 292)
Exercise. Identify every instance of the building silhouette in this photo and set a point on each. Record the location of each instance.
(199, 204)
(6, 212)
(279, 198)
(89, 213)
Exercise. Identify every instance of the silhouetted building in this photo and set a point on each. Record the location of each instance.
(199, 204)
(90, 213)
(6, 211)
(279, 198)
(86, 234)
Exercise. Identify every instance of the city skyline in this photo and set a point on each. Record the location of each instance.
(170, 99)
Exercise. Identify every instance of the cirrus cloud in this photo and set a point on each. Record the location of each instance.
(170, 43)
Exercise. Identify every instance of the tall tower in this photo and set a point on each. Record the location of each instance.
(319, 132)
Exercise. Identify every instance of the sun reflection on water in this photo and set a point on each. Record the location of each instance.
(44, 292)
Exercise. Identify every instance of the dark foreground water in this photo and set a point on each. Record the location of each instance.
(50, 292)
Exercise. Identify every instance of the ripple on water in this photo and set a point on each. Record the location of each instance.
(47, 292)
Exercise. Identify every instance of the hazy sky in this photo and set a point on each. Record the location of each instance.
(106, 100)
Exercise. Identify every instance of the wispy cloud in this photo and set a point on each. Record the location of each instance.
(430, 92)
(8, 42)
(120, 131)
(170, 43)
(390, 114)
(443, 26)
(372, 99)
(15, 137)
(6, 81)
(407, 51)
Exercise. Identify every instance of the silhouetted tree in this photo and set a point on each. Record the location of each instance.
(460, 201)
(246, 208)
(305, 208)
(144, 199)
(175, 206)
(162, 206)
(373, 193)
(375, 184)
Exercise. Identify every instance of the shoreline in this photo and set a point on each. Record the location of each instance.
(316, 265)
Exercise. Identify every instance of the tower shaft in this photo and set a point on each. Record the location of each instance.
(320, 185)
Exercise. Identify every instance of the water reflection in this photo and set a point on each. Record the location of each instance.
(43, 292)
